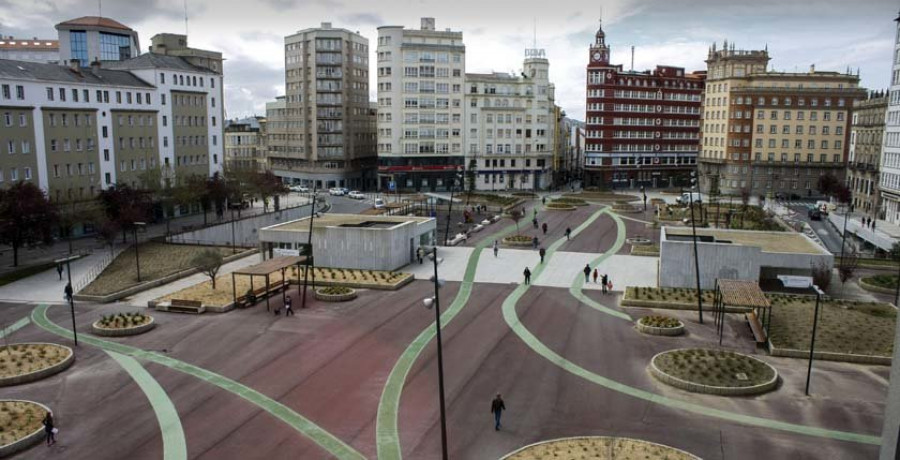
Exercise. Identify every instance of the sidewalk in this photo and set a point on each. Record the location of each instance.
(46, 286)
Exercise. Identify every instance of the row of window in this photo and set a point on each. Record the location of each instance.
(786, 101)
(24, 146)
(6, 91)
(87, 145)
(187, 80)
(14, 174)
(71, 169)
(9, 117)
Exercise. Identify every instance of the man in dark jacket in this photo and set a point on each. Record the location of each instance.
(527, 274)
(542, 252)
(587, 272)
(497, 408)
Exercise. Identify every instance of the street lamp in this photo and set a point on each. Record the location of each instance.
(694, 231)
(137, 255)
(312, 215)
(812, 340)
(435, 303)
(69, 291)
(450, 208)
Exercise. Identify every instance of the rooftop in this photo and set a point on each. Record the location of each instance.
(155, 61)
(94, 21)
(23, 70)
(35, 43)
(347, 220)
(785, 242)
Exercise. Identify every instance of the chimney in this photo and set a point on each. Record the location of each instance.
(95, 67)
(326, 25)
(427, 23)
(75, 65)
(812, 68)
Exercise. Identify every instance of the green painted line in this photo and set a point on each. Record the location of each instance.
(387, 434)
(14, 327)
(174, 445)
(324, 439)
(512, 320)
(578, 283)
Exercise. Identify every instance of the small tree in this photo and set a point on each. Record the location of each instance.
(821, 275)
(849, 264)
(471, 174)
(516, 215)
(27, 217)
(209, 262)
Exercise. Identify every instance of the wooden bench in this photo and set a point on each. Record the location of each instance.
(759, 334)
(186, 306)
(260, 293)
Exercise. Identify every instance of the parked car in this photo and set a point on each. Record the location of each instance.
(345, 191)
(688, 197)
(302, 189)
(379, 203)
(295, 188)
(814, 213)
(335, 192)
(356, 195)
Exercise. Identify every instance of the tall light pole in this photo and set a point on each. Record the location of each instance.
(312, 215)
(69, 290)
(812, 340)
(435, 303)
(137, 255)
(694, 231)
(450, 209)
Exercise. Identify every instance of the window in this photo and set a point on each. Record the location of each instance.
(162, 99)
(78, 42)
(20, 92)
(105, 154)
(128, 97)
(6, 92)
(87, 95)
(62, 94)
(26, 146)
(11, 147)
(213, 101)
(114, 47)
(27, 173)
(105, 132)
(50, 95)
(74, 95)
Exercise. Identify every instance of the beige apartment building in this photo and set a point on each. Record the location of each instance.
(245, 144)
(865, 153)
(323, 133)
(772, 133)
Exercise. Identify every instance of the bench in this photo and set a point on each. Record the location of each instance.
(260, 293)
(759, 334)
(185, 306)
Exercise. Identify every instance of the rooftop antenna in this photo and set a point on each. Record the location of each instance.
(185, 18)
(100, 8)
(534, 39)
(632, 58)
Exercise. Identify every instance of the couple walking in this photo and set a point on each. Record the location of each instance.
(605, 282)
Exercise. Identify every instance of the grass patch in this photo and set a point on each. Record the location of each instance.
(719, 368)
(485, 198)
(660, 321)
(19, 419)
(885, 281)
(667, 295)
(158, 260)
(602, 196)
(569, 201)
(18, 359)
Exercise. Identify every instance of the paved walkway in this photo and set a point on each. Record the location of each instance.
(46, 287)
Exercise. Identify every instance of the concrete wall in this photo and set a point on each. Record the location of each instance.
(245, 230)
(890, 436)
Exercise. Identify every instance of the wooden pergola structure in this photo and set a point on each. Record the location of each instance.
(747, 294)
(265, 269)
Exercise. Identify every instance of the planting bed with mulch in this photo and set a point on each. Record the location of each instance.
(598, 448)
(569, 201)
(518, 240)
(713, 371)
(602, 196)
(19, 419)
(26, 362)
(559, 207)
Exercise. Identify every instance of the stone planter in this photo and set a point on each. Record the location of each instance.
(533, 450)
(559, 207)
(516, 243)
(335, 297)
(96, 329)
(24, 443)
(665, 331)
(41, 373)
(710, 389)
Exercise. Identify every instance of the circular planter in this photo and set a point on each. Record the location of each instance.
(599, 448)
(638, 240)
(29, 439)
(96, 329)
(559, 207)
(334, 297)
(657, 330)
(41, 373)
(569, 202)
(736, 387)
(514, 242)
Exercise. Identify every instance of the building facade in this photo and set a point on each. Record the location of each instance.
(890, 156)
(772, 132)
(642, 128)
(94, 38)
(324, 136)
(34, 50)
(865, 154)
(245, 144)
(510, 127)
(74, 131)
(421, 75)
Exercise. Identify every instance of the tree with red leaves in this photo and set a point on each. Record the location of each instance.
(27, 217)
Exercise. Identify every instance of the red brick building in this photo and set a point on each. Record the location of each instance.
(642, 128)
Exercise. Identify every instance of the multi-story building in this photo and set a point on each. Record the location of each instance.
(33, 50)
(245, 144)
(642, 128)
(890, 155)
(94, 38)
(772, 132)
(76, 130)
(324, 136)
(421, 75)
(865, 153)
(510, 127)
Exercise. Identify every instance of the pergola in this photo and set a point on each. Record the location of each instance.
(740, 293)
(265, 269)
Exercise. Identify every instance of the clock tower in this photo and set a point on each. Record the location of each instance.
(599, 52)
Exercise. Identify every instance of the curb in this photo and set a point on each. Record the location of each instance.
(334, 297)
(663, 331)
(674, 450)
(829, 356)
(27, 441)
(873, 288)
(41, 373)
(709, 389)
(122, 332)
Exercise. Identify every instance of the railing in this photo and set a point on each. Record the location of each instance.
(98, 268)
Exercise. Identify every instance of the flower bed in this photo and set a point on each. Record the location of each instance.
(598, 448)
(559, 207)
(660, 325)
(667, 298)
(717, 372)
(886, 284)
(123, 324)
(335, 294)
(570, 201)
(20, 425)
(648, 250)
(27, 362)
(518, 240)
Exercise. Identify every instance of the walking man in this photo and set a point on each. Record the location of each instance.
(545, 199)
(568, 233)
(288, 309)
(542, 252)
(587, 272)
(603, 280)
(69, 292)
(534, 242)
(59, 270)
(534, 222)
(527, 274)
(496, 248)
(420, 253)
(544, 228)
(497, 408)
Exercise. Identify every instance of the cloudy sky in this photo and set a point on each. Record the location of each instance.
(832, 34)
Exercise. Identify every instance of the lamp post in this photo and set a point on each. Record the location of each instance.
(312, 215)
(812, 340)
(233, 250)
(137, 255)
(694, 231)
(69, 291)
(435, 303)
(450, 208)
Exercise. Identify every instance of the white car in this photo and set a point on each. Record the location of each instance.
(379, 203)
(356, 195)
(303, 189)
(336, 192)
(294, 188)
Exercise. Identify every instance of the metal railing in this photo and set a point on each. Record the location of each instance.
(98, 268)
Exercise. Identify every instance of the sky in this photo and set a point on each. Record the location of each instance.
(832, 34)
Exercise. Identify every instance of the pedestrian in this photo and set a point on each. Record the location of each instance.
(527, 274)
(545, 199)
(873, 225)
(596, 273)
(542, 252)
(288, 307)
(534, 213)
(534, 242)
(568, 233)
(544, 227)
(59, 270)
(603, 280)
(69, 292)
(496, 248)
(497, 407)
(420, 253)
(534, 222)
(51, 431)
(587, 272)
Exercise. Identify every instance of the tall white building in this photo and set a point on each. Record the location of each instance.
(34, 50)
(421, 75)
(510, 127)
(890, 158)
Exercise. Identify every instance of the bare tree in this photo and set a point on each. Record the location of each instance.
(849, 264)
(209, 262)
(821, 275)
(516, 215)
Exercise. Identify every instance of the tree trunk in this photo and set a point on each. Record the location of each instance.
(213, 278)
(15, 247)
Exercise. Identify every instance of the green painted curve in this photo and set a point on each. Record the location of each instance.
(512, 320)
(304, 426)
(576, 288)
(14, 327)
(387, 434)
(174, 445)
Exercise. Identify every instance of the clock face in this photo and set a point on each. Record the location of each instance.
(597, 56)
